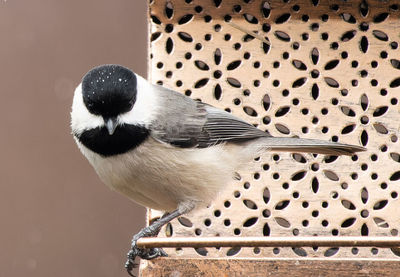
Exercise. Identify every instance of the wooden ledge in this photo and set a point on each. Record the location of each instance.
(291, 267)
(340, 241)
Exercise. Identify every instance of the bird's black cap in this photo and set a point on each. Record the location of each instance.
(109, 90)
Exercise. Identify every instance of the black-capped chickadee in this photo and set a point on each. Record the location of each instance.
(164, 150)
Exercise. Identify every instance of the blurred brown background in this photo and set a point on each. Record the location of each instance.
(57, 218)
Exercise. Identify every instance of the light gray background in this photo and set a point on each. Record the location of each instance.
(56, 217)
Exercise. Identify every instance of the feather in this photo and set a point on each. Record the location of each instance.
(186, 123)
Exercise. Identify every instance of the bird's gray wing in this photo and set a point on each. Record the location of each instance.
(221, 126)
(184, 122)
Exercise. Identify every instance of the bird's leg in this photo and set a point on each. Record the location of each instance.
(150, 231)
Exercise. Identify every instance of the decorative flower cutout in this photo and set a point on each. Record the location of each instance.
(365, 118)
(366, 210)
(364, 26)
(167, 22)
(216, 70)
(314, 70)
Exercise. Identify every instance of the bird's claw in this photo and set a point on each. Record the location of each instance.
(130, 265)
(147, 254)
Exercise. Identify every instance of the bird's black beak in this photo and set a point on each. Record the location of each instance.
(111, 124)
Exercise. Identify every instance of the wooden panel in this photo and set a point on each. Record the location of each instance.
(331, 72)
(253, 268)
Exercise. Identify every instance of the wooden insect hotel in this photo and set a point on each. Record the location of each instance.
(309, 68)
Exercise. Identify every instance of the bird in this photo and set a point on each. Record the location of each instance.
(164, 150)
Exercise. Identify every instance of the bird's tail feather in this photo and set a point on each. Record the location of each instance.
(315, 146)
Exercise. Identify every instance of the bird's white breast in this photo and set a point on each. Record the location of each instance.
(161, 176)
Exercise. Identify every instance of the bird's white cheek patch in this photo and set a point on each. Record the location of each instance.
(81, 118)
(146, 106)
